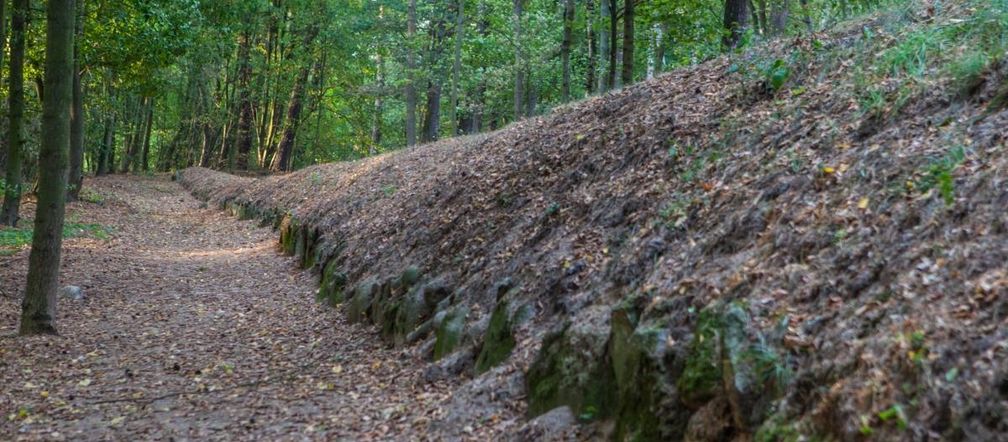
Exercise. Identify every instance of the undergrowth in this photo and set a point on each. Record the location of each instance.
(13, 239)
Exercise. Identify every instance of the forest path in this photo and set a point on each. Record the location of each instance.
(193, 328)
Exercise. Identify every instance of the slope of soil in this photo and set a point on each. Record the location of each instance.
(194, 328)
(708, 255)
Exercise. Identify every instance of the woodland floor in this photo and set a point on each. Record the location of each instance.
(194, 327)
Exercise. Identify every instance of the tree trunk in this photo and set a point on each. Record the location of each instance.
(661, 30)
(565, 49)
(15, 132)
(106, 146)
(411, 96)
(285, 151)
(145, 158)
(603, 72)
(432, 119)
(779, 13)
(806, 15)
(76, 177)
(39, 306)
(479, 108)
(592, 47)
(613, 46)
(3, 46)
(245, 117)
(519, 65)
(628, 42)
(736, 22)
(376, 122)
(453, 99)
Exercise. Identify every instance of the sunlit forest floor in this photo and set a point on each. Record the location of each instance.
(194, 327)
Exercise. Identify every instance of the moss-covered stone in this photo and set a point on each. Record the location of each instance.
(702, 377)
(449, 330)
(572, 369)
(409, 277)
(498, 341)
(635, 354)
(288, 233)
(360, 303)
(411, 313)
(309, 253)
(332, 285)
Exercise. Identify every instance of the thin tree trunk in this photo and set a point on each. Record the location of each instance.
(736, 22)
(411, 96)
(661, 30)
(245, 117)
(39, 306)
(779, 12)
(628, 42)
(592, 47)
(106, 146)
(15, 132)
(613, 46)
(3, 47)
(519, 65)
(432, 119)
(144, 160)
(603, 70)
(806, 15)
(565, 49)
(453, 99)
(76, 177)
(379, 104)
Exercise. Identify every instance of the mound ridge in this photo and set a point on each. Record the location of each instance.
(698, 256)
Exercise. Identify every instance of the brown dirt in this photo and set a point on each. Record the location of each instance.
(195, 328)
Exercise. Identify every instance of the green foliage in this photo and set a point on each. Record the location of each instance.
(12, 239)
(777, 74)
(938, 174)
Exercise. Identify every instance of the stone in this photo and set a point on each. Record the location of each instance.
(449, 330)
(71, 292)
(556, 424)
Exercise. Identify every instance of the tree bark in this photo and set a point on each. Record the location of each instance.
(432, 119)
(565, 49)
(592, 47)
(613, 47)
(106, 146)
(411, 96)
(519, 65)
(145, 158)
(604, 28)
(453, 96)
(76, 177)
(285, 151)
(38, 308)
(15, 126)
(379, 104)
(3, 47)
(736, 22)
(628, 42)
(245, 117)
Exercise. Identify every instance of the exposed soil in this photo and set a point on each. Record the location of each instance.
(195, 328)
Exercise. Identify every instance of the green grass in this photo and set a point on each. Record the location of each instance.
(13, 239)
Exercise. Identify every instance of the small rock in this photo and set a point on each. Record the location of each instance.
(72, 292)
(557, 424)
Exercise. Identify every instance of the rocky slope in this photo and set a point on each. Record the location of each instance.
(805, 239)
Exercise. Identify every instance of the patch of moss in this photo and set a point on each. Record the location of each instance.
(572, 369)
(448, 334)
(360, 304)
(498, 340)
(332, 285)
(702, 375)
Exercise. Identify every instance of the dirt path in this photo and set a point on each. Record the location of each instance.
(193, 327)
